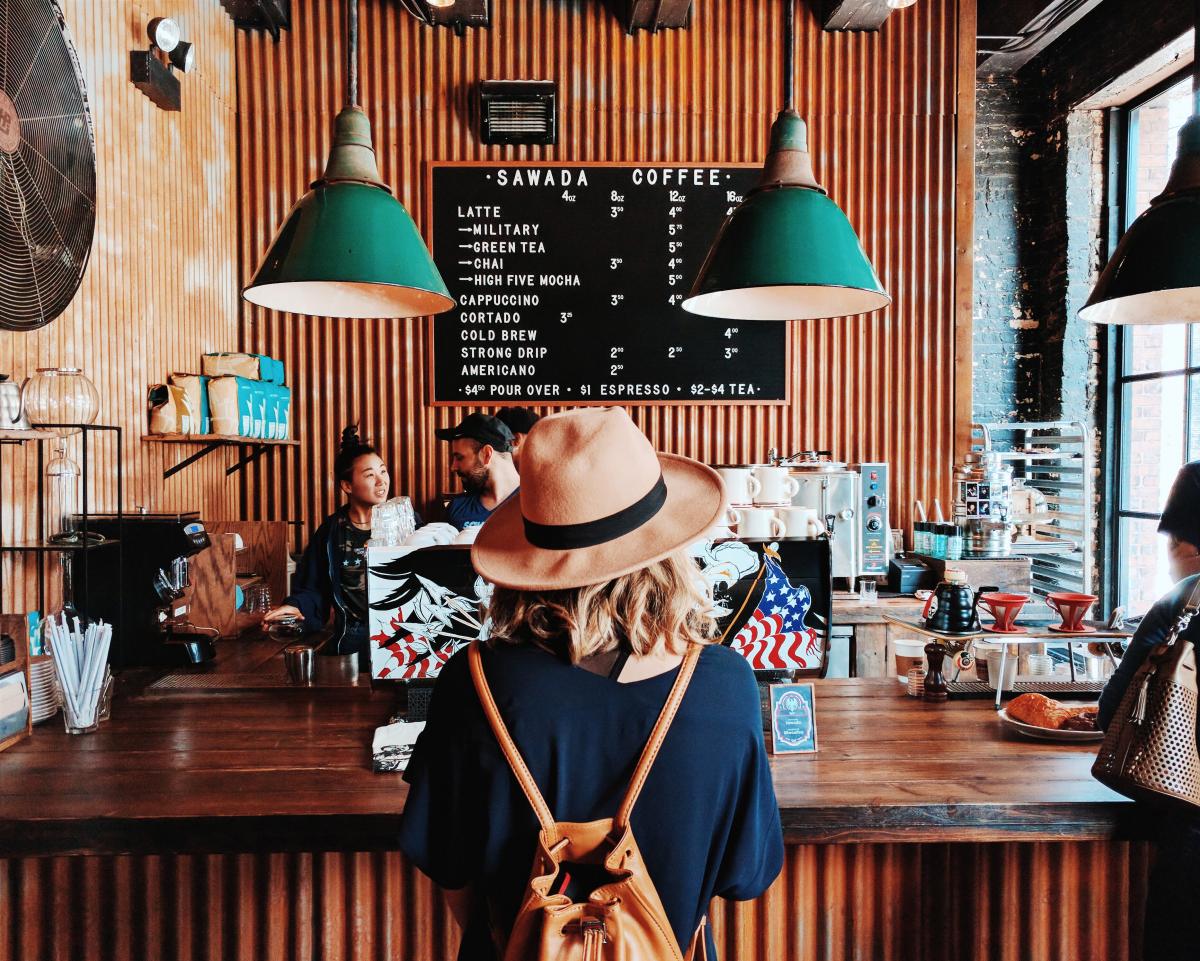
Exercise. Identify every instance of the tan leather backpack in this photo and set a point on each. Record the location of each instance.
(622, 919)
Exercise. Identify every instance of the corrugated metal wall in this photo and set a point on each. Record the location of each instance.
(882, 114)
(161, 286)
(883, 902)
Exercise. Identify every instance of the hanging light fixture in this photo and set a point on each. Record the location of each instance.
(787, 252)
(349, 248)
(1153, 277)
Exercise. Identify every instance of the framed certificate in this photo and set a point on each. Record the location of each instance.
(793, 719)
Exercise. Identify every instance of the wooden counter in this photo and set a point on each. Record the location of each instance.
(191, 798)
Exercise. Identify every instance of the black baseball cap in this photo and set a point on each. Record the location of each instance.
(1181, 513)
(482, 428)
(520, 420)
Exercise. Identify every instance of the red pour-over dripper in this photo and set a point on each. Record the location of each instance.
(1071, 608)
(1004, 608)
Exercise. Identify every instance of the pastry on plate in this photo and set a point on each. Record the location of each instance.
(1042, 711)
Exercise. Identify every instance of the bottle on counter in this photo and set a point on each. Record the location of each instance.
(940, 540)
(954, 542)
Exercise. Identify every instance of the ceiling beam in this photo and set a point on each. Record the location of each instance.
(652, 15)
(1004, 55)
(855, 14)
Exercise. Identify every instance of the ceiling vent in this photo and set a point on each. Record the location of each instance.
(518, 112)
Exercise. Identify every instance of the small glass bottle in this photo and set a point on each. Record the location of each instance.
(940, 539)
(954, 542)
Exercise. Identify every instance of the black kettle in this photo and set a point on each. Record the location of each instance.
(952, 608)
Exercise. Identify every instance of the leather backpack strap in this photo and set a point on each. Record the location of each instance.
(650, 751)
(511, 754)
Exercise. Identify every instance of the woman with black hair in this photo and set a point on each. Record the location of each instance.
(332, 574)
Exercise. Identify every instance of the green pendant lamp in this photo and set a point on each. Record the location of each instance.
(349, 248)
(1153, 277)
(787, 252)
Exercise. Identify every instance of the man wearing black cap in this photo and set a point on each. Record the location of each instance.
(520, 421)
(481, 457)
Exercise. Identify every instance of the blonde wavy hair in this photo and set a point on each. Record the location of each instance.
(660, 608)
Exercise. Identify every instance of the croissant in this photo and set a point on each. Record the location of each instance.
(1042, 711)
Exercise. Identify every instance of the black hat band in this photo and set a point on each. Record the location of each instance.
(565, 537)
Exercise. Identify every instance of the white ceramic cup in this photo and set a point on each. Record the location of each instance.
(776, 485)
(741, 486)
(756, 522)
(800, 521)
(1010, 670)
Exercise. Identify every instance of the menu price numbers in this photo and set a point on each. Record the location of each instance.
(615, 262)
(616, 300)
(673, 352)
(618, 204)
(614, 370)
(730, 331)
(730, 353)
(674, 279)
(566, 316)
(724, 390)
(674, 246)
(473, 390)
(675, 299)
(616, 352)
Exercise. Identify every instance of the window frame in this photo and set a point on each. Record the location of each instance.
(1121, 187)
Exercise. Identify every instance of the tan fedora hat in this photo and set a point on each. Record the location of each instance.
(595, 502)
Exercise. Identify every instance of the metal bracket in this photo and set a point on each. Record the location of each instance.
(256, 451)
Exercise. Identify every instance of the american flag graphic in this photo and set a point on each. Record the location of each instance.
(775, 637)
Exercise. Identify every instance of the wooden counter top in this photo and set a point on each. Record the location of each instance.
(290, 770)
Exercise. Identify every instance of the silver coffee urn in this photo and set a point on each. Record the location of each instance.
(983, 503)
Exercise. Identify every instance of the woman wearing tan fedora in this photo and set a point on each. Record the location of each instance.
(598, 735)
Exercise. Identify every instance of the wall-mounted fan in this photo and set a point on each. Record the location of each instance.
(47, 166)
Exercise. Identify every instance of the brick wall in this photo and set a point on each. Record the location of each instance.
(1040, 218)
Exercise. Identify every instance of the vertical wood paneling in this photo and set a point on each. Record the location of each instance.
(882, 113)
(161, 285)
(836, 902)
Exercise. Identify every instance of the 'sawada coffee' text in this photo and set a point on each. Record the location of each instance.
(559, 177)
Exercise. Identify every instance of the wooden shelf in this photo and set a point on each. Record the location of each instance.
(211, 442)
(223, 440)
(21, 436)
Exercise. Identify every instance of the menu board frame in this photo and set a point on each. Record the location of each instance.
(430, 330)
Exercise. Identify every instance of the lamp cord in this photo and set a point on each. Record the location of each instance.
(352, 53)
(789, 66)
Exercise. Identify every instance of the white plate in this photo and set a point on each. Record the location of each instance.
(1047, 733)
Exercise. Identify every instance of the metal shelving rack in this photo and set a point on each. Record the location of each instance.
(40, 435)
(1055, 459)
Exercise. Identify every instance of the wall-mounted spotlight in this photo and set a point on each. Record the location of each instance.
(151, 70)
(456, 14)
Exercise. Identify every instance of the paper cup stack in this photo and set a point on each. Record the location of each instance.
(80, 656)
(43, 688)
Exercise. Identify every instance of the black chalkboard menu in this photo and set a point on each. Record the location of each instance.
(569, 280)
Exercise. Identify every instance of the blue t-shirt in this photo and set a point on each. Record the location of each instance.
(707, 821)
(467, 510)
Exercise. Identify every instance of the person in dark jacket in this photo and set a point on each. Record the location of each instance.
(332, 574)
(1172, 930)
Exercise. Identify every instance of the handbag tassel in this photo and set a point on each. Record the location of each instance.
(1138, 714)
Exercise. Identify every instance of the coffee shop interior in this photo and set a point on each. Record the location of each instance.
(282, 302)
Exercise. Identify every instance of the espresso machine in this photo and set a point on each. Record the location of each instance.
(852, 501)
(144, 596)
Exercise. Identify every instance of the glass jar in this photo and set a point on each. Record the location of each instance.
(62, 498)
(61, 395)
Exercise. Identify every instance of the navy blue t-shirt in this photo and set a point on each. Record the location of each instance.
(707, 821)
(466, 510)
